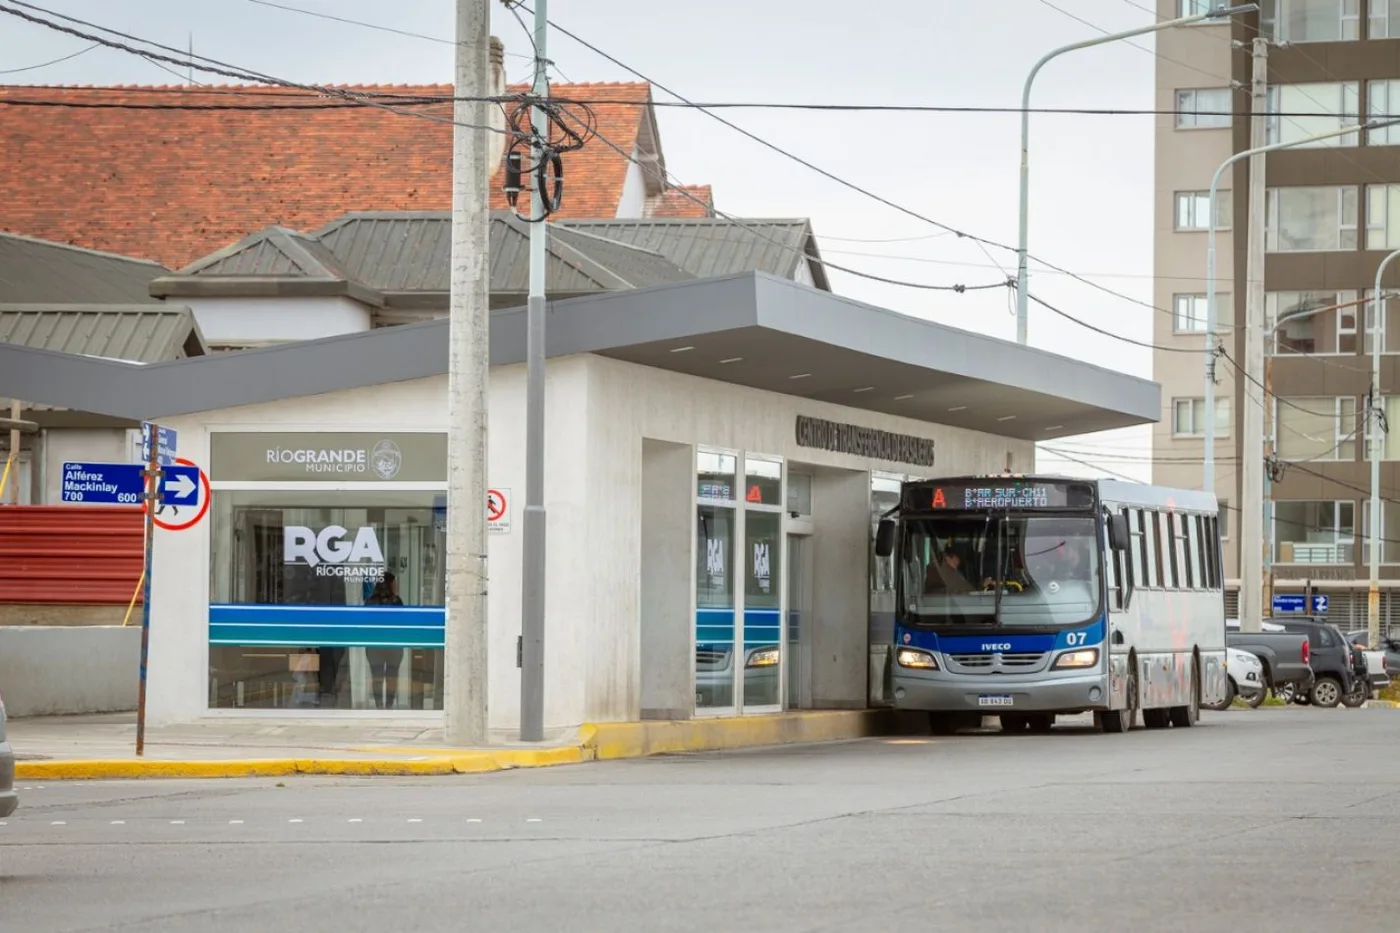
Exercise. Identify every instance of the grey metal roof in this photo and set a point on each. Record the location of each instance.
(133, 333)
(710, 247)
(40, 271)
(388, 254)
(751, 329)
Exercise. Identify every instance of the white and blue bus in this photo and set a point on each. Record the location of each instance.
(1031, 597)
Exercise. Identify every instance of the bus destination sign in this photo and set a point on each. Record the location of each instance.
(979, 495)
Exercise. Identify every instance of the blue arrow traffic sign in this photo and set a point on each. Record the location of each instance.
(165, 443)
(123, 484)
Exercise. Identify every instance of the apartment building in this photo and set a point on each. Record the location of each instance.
(1333, 213)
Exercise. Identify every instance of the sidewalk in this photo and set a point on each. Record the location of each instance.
(104, 746)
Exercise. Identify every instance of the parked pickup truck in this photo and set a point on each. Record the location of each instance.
(1285, 656)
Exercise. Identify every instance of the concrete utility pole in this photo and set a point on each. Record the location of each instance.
(533, 543)
(469, 360)
(1252, 608)
(14, 451)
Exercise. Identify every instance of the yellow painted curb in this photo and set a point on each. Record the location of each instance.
(1382, 704)
(597, 741)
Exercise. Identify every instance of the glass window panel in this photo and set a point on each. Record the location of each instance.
(1193, 210)
(1341, 99)
(1316, 428)
(1309, 20)
(1188, 417)
(1390, 326)
(1189, 312)
(799, 493)
(714, 600)
(1380, 95)
(1310, 218)
(1313, 322)
(1382, 216)
(1314, 532)
(715, 475)
(1204, 107)
(1138, 548)
(762, 607)
(1385, 19)
(763, 481)
(371, 565)
(1390, 532)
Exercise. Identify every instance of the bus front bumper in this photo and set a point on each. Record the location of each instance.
(993, 695)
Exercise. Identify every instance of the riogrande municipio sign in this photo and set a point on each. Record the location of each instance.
(352, 457)
(864, 442)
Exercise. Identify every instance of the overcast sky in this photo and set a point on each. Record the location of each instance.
(1091, 176)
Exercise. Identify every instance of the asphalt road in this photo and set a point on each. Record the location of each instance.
(1267, 819)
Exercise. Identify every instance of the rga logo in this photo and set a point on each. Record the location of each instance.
(996, 646)
(714, 557)
(331, 554)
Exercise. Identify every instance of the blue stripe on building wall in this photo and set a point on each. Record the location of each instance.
(715, 627)
(327, 626)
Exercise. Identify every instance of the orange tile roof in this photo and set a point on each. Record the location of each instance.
(674, 203)
(176, 184)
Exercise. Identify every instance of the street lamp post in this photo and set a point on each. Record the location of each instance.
(1022, 298)
(1377, 438)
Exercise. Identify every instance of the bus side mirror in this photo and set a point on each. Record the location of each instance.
(1118, 532)
(884, 538)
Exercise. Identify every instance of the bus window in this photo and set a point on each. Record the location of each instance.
(1169, 548)
(1190, 544)
(1152, 542)
(1139, 548)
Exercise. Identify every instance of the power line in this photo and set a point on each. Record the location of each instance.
(1099, 330)
(55, 61)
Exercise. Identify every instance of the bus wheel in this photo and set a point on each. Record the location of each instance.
(1120, 720)
(1188, 715)
(1015, 722)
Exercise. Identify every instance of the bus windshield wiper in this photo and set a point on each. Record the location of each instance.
(1002, 555)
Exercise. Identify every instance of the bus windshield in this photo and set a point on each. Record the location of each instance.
(999, 568)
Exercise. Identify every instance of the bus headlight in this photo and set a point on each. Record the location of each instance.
(763, 657)
(913, 657)
(1086, 657)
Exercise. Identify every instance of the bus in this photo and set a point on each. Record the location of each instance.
(1030, 597)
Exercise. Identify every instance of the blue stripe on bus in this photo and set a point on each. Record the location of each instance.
(1003, 641)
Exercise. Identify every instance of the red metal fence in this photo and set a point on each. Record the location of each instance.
(70, 555)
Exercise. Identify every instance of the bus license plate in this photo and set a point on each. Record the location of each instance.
(1000, 699)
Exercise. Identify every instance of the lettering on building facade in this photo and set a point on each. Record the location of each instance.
(864, 442)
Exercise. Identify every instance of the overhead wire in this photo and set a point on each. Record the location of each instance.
(54, 61)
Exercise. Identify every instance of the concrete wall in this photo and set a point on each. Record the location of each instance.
(840, 648)
(238, 322)
(93, 445)
(667, 654)
(47, 671)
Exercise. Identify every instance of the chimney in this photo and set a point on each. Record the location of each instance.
(496, 116)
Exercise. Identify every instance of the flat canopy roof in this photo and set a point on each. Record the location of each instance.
(750, 329)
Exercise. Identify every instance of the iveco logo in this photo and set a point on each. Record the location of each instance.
(996, 646)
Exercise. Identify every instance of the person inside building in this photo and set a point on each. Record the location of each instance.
(384, 661)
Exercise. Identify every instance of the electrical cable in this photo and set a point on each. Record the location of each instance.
(55, 61)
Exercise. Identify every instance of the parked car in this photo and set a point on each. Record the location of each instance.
(1377, 664)
(8, 799)
(1284, 655)
(1245, 679)
(1330, 657)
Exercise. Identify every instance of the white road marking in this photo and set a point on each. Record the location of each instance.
(295, 820)
(119, 822)
(414, 819)
(473, 820)
(355, 819)
(59, 823)
(177, 822)
(533, 819)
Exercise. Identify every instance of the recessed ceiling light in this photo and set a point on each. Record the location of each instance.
(732, 359)
(1054, 427)
(1006, 417)
(863, 389)
(900, 398)
(958, 408)
(682, 349)
(800, 376)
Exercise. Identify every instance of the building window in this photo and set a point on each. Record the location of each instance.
(1311, 219)
(1224, 519)
(1312, 20)
(1185, 8)
(1380, 94)
(1189, 417)
(1189, 312)
(1316, 428)
(763, 554)
(1193, 210)
(1389, 536)
(326, 599)
(1382, 217)
(1341, 99)
(1204, 108)
(1384, 20)
(1390, 327)
(1312, 322)
(1314, 532)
